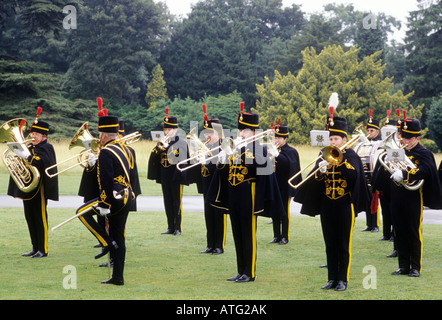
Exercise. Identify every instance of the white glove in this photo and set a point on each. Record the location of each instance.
(103, 211)
(222, 157)
(363, 139)
(397, 176)
(92, 159)
(324, 165)
(20, 153)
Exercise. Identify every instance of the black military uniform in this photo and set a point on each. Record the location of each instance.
(89, 188)
(215, 218)
(372, 217)
(162, 169)
(338, 196)
(116, 197)
(406, 206)
(286, 165)
(35, 202)
(246, 186)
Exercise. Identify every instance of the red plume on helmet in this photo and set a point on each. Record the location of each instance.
(102, 112)
(39, 110)
(241, 106)
(370, 112)
(398, 112)
(388, 116)
(206, 118)
(167, 113)
(405, 119)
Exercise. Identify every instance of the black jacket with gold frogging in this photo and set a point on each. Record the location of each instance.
(347, 178)
(115, 170)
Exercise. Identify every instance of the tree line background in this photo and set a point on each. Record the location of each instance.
(279, 60)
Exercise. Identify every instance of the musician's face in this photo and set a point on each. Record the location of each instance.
(37, 138)
(410, 142)
(281, 141)
(170, 131)
(373, 133)
(337, 141)
(245, 133)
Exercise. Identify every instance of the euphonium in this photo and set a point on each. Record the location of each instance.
(25, 176)
(391, 142)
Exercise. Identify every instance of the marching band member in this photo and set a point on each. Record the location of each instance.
(343, 193)
(162, 169)
(247, 172)
(35, 202)
(214, 217)
(372, 217)
(116, 197)
(406, 205)
(286, 165)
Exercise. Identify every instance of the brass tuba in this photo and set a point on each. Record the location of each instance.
(392, 142)
(25, 176)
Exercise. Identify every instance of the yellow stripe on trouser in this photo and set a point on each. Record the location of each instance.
(253, 231)
(43, 217)
(420, 228)
(97, 235)
(288, 217)
(350, 240)
(224, 231)
(181, 207)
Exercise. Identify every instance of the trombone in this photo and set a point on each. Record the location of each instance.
(82, 138)
(333, 155)
(200, 153)
(228, 145)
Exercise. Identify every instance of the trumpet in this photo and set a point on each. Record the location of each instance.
(333, 155)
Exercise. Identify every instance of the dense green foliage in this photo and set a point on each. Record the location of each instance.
(141, 59)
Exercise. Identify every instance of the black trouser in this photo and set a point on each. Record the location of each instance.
(215, 226)
(337, 220)
(387, 224)
(243, 219)
(406, 210)
(117, 225)
(37, 219)
(172, 196)
(281, 225)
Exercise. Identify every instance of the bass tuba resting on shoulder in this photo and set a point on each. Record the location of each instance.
(25, 176)
(392, 142)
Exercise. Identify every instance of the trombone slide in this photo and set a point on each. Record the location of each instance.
(73, 217)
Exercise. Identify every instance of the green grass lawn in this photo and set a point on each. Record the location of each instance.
(160, 267)
(164, 267)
